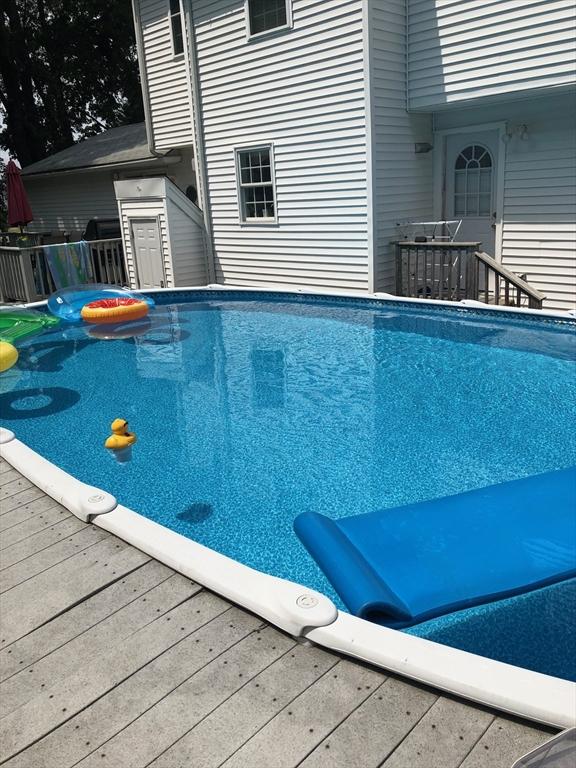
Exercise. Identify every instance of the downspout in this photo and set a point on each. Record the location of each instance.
(199, 148)
(144, 78)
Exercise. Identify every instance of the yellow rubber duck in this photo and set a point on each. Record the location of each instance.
(120, 437)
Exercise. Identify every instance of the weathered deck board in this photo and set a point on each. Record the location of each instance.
(74, 622)
(187, 705)
(235, 721)
(28, 512)
(111, 714)
(32, 603)
(64, 661)
(39, 541)
(374, 730)
(110, 659)
(288, 738)
(14, 502)
(15, 486)
(16, 574)
(38, 521)
(443, 737)
(503, 743)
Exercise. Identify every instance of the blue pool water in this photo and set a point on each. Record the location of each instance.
(250, 409)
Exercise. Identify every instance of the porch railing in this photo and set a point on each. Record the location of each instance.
(494, 284)
(457, 271)
(25, 276)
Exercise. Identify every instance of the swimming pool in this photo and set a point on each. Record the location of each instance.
(253, 407)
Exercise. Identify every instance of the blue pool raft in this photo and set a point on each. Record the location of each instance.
(67, 303)
(398, 567)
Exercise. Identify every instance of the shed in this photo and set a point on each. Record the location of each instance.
(163, 234)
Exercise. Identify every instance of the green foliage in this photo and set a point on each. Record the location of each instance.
(68, 70)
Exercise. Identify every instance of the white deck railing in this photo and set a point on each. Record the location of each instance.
(25, 276)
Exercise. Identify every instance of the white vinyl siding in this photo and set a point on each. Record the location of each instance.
(167, 78)
(466, 49)
(539, 222)
(67, 202)
(303, 92)
(187, 239)
(402, 179)
(181, 229)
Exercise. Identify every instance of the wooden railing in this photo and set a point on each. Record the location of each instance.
(25, 276)
(457, 271)
(494, 284)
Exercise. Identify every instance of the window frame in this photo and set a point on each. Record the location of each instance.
(267, 32)
(171, 16)
(243, 220)
(467, 194)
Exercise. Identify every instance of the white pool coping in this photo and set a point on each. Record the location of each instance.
(298, 610)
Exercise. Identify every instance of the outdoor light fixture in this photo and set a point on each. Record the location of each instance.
(421, 147)
(521, 131)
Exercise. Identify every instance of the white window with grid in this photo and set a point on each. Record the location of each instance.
(267, 15)
(473, 182)
(255, 172)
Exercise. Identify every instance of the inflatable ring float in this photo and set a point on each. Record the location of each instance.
(115, 310)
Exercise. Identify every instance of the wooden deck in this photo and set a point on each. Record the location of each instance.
(110, 659)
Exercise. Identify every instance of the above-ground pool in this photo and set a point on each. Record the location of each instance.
(251, 408)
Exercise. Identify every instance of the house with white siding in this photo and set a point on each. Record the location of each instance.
(75, 186)
(316, 127)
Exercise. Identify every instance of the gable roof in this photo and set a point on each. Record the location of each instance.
(125, 144)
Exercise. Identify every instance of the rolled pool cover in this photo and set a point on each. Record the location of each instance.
(402, 566)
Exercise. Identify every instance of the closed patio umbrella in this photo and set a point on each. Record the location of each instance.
(19, 211)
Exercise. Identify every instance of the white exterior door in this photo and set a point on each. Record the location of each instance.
(148, 257)
(470, 178)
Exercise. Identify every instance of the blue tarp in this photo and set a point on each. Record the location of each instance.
(401, 566)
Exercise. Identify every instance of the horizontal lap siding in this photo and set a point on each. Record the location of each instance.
(302, 91)
(67, 203)
(402, 178)
(167, 79)
(187, 241)
(539, 236)
(465, 49)
(539, 221)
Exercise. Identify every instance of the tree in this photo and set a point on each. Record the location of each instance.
(3, 197)
(68, 70)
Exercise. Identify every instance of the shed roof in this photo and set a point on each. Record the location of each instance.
(125, 144)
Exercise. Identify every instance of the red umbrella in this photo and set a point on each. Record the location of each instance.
(19, 211)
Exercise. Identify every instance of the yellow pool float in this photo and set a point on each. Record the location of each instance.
(8, 355)
(120, 437)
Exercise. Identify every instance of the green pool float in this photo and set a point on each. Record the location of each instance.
(16, 325)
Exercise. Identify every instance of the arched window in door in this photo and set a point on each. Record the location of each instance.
(473, 182)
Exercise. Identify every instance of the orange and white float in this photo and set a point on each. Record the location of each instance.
(114, 310)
